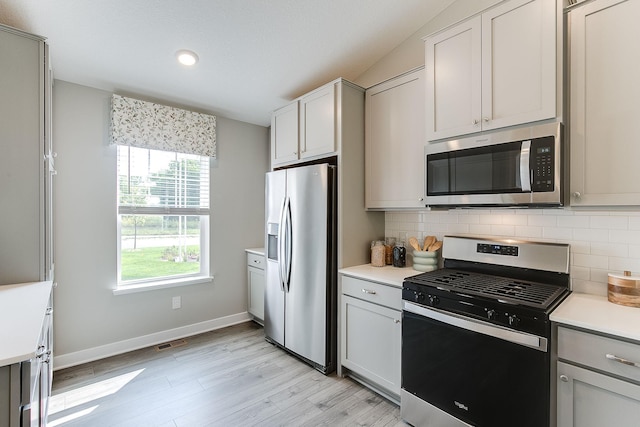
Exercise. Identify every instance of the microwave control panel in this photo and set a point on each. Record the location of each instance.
(542, 164)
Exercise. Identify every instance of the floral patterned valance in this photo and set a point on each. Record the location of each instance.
(147, 125)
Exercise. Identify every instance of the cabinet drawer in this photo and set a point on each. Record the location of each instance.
(388, 296)
(598, 352)
(256, 261)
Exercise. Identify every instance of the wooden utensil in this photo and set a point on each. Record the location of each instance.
(437, 245)
(428, 241)
(414, 243)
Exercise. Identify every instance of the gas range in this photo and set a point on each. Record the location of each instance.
(478, 329)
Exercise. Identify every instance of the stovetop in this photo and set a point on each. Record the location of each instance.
(515, 284)
(508, 290)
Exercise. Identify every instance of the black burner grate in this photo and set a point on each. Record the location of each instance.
(510, 290)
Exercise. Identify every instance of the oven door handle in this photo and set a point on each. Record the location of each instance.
(516, 337)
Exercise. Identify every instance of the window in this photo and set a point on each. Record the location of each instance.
(163, 216)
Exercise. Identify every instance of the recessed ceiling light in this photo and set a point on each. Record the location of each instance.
(187, 57)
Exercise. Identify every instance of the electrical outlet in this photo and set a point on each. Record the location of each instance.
(176, 302)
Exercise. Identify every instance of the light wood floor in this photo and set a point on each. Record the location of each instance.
(228, 377)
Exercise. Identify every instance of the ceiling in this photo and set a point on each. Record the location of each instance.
(255, 55)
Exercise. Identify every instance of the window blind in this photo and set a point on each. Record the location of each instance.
(162, 182)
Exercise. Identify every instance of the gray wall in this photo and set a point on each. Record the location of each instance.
(90, 322)
(410, 53)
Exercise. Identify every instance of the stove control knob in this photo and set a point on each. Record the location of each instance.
(433, 300)
(491, 314)
(514, 321)
(419, 296)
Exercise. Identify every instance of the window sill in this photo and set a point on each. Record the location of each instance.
(164, 284)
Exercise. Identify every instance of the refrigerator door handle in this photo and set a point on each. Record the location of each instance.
(281, 244)
(289, 246)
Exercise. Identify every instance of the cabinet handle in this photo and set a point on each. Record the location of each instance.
(476, 121)
(577, 194)
(564, 378)
(420, 199)
(485, 119)
(621, 360)
(367, 291)
(396, 320)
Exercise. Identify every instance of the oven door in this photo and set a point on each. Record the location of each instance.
(480, 373)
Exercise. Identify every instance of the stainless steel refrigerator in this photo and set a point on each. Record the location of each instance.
(301, 272)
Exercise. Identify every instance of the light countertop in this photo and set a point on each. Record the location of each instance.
(596, 313)
(387, 275)
(257, 251)
(22, 311)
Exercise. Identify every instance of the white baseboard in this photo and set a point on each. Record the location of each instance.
(62, 361)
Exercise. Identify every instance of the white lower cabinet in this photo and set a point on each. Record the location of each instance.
(597, 382)
(255, 283)
(371, 334)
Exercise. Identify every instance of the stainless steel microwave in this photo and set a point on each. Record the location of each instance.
(517, 167)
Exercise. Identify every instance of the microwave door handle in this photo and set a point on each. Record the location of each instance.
(525, 177)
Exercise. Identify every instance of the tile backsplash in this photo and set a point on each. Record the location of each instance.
(601, 241)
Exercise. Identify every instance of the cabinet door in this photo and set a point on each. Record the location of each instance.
(284, 134)
(518, 63)
(604, 109)
(256, 283)
(394, 141)
(370, 341)
(590, 399)
(453, 66)
(22, 160)
(317, 122)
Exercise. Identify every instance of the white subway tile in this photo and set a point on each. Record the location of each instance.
(491, 219)
(599, 275)
(573, 221)
(543, 220)
(483, 229)
(592, 235)
(580, 272)
(634, 251)
(469, 219)
(622, 264)
(513, 219)
(556, 233)
(459, 228)
(624, 236)
(610, 249)
(528, 232)
(634, 222)
(610, 222)
(588, 287)
(503, 230)
(591, 261)
(579, 247)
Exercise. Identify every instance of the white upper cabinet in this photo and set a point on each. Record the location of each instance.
(284, 131)
(453, 67)
(603, 72)
(394, 143)
(306, 128)
(317, 122)
(494, 70)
